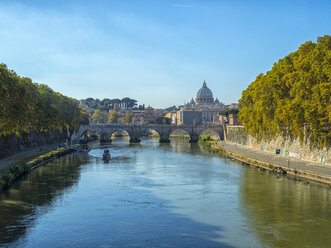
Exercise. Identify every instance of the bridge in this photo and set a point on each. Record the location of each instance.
(137, 131)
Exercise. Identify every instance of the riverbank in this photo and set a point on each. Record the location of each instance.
(293, 168)
(19, 165)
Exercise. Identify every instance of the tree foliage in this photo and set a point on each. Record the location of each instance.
(229, 111)
(26, 106)
(109, 104)
(127, 119)
(293, 99)
(113, 117)
(100, 117)
(163, 120)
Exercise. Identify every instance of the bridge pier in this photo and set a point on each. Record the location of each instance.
(134, 140)
(105, 138)
(164, 140)
(194, 139)
(164, 137)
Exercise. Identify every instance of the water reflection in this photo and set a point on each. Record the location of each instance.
(160, 195)
(21, 205)
(78, 201)
(286, 213)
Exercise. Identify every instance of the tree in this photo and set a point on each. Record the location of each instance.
(293, 98)
(163, 120)
(131, 103)
(81, 118)
(100, 117)
(229, 111)
(26, 106)
(113, 117)
(89, 102)
(127, 119)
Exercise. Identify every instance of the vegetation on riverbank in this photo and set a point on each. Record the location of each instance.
(180, 137)
(16, 170)
(26, 106)
(207, 142)
(293, 98)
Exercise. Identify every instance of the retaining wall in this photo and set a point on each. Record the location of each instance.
(284, 146)
(12, 144)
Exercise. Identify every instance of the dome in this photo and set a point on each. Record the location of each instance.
(204, 91)
(204, 95)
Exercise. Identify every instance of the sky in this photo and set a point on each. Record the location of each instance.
(158, 52)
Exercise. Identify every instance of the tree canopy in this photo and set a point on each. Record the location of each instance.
(100, 117)
(26, 106)
(229, 111)
(163, 120)
(109, 104)
(293, 98)
(127, 119)
(113, 117)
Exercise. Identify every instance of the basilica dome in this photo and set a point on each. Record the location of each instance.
(204, 95)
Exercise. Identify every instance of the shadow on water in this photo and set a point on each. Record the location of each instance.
(71, 203)
(19, 205)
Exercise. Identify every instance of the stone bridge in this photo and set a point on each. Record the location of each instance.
(137, 131)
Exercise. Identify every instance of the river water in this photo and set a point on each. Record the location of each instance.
(161, 195)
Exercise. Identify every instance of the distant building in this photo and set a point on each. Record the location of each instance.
(204, 103)
(168, 115)
(178, 117)
(189, 117)
(233, 120)
(149, 115)
(138, 117)
(172, 116)
(220, 119)
(116, 107)
(234, 106)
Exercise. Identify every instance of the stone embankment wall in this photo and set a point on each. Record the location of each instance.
(281, 146)
(12, 144)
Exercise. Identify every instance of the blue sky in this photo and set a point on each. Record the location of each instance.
(158, 52)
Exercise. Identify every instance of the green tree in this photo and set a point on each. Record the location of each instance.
(163, 120)
(293, 98)
(100, 117)
(229, 111)
(113, 117)
(26, 106)
(127, 119)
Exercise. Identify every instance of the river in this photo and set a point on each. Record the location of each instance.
(161, 195)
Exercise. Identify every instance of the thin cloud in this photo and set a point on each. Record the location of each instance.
(182, 5)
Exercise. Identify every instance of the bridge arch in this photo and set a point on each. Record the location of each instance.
(88, 134)
(118, 133)
(180, 133)
(214, 134)
(153, 131)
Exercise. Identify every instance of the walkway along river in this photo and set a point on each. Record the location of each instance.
(161, 195)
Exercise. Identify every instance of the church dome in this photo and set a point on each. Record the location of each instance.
(204, 95)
